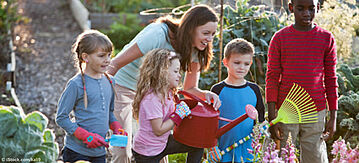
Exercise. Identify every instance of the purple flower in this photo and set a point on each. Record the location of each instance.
(288, 153)
(271, 154)
(339, 147)
(343, 153)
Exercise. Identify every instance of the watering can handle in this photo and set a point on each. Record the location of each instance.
(191, 96)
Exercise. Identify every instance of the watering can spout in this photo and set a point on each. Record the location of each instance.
(251, 112)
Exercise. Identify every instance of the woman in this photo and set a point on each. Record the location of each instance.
(191, 37)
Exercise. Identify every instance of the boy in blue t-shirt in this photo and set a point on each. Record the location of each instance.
(235, 93)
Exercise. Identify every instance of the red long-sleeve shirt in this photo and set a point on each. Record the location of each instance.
(306, 58)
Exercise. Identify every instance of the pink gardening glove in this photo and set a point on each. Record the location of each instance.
(92, 140)
(117, 128)
(181, 111)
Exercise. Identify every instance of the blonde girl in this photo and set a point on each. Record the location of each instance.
(155, 109)
(90, 95)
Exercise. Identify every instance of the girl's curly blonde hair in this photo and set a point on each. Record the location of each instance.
(154, 76)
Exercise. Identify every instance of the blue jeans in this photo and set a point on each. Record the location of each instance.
(172, 147)
(72, 156)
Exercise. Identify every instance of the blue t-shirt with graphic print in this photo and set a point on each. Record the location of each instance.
(233, 100)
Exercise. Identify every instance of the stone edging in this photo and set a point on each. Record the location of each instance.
(11, 69)
(80, 13)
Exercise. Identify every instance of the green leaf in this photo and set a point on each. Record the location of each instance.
(28, 136)
(10, 148)
(238, 33)
(264, 43)
(49, 135)
(38, 119)
(8, 122)
(36, 155)
(51, 150)
(18, 112)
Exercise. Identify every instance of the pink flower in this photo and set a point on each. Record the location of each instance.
(288, 153)
(271, 154)
(343, 153)
(339, 147)
(250, 151)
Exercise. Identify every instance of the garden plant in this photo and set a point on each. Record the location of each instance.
(26, 137)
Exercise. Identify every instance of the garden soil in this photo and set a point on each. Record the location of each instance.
(42, 42)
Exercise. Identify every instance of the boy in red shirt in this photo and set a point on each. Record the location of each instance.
(305, 54)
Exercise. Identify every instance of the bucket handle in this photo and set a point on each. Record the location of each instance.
(191, 96)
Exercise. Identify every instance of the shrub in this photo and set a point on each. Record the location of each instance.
(342, 19)
(131, 6)
(123, 31)
(348, 104)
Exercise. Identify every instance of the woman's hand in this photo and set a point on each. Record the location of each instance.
(213, 98)
(190, 85)
(124, 58)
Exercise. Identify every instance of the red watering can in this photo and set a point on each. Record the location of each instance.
(200, 128)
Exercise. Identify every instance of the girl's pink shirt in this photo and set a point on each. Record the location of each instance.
(145, 141)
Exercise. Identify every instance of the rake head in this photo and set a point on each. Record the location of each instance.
(298, 107)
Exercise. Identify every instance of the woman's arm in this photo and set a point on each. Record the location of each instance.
(190, 84)
(159, 127)
(122, 59)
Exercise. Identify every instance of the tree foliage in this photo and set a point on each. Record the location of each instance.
(342, 19)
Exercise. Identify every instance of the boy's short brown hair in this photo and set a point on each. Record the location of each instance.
(238, 46)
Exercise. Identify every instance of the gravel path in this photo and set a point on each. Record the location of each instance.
(44, 62)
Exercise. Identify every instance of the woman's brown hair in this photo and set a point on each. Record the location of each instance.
(183, 32)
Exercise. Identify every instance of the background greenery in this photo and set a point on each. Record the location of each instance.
(130, 6)
(8, 17)
(253, 23)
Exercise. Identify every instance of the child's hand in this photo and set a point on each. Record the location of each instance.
(92, 140)
(276, 132)
(210, 96)
(330, 126)
(182, 111)
(117, 128)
